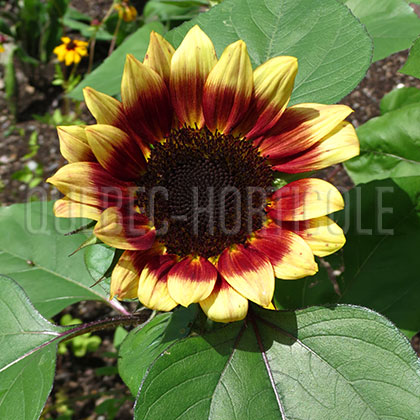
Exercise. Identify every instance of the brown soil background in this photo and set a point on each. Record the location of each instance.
(76, 385)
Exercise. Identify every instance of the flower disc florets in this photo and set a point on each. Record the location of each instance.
(204, 191)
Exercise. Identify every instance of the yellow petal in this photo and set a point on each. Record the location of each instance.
(104, 108)
(249, 272)
(322, 235)
(228, 89)
(289, 254)
(126, 274)
(68, 208)
(116, 151)
(191, 280)
(273, 85)
(225, 304)
(89, 183)
(190, 66)
(125, 278)
(74, 145)
(305, 199)
(146, 101)
(125, 229)
(153, 287)
(300, 127)
(159, 55)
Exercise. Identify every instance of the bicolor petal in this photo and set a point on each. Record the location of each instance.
(289, 254)
(89, 183)
(126, 274)
(74, 145)
(322, 234)
(228, 89)
(191, 280)
(299, 128)
(191, 64)
(125, 229)
(224, 304)
(104, 108)
(153, 285)
(159, 55)
(116, 151)
(249, 272)
(340, 145)
(69, 208)
(146, 101)
(305, 199)
(273, 85)
(107, 110)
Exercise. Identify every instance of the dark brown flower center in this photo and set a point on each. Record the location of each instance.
(204, 191)
(71, 46)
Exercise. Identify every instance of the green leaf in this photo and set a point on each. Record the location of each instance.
(381, 254)
(320, 363)
(87, 30)
(107, 77)
(98, 259)
(399, 98)
(35, 252)
(389, 146)
(333, 49)
(412, 65)
(313, 290)
(392, 24)
(146, 343)
(27, 358)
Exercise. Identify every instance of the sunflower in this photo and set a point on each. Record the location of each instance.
(71, 50)
(179, 175)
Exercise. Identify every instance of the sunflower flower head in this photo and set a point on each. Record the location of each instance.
(126, 11)
(71, 50)
(179, 175)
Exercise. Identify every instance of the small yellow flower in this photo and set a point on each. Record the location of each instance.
(126, 12)
(1, 48)
(71, 51)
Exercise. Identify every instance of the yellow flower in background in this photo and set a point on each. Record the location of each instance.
(179, 175)
(1, 48)
(71, 50)
(126, 12)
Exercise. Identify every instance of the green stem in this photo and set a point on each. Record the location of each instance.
(114, 37)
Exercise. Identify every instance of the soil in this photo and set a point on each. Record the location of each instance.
(78, 388)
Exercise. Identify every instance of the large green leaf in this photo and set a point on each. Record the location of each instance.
(27, 357)
(321, 363)
(392, 24)
(332, 47)
(389, 146)
(412, 65)
(107, 77)
(35, 252)
(381, 256)
(399, 98)
(149, 341)
(313, 290)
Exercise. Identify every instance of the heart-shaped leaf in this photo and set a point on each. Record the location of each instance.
(332, 47)
(320, 363)
(391, 23)
(389, 146)
(35, 252)
(381, 254)
(27, 357)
